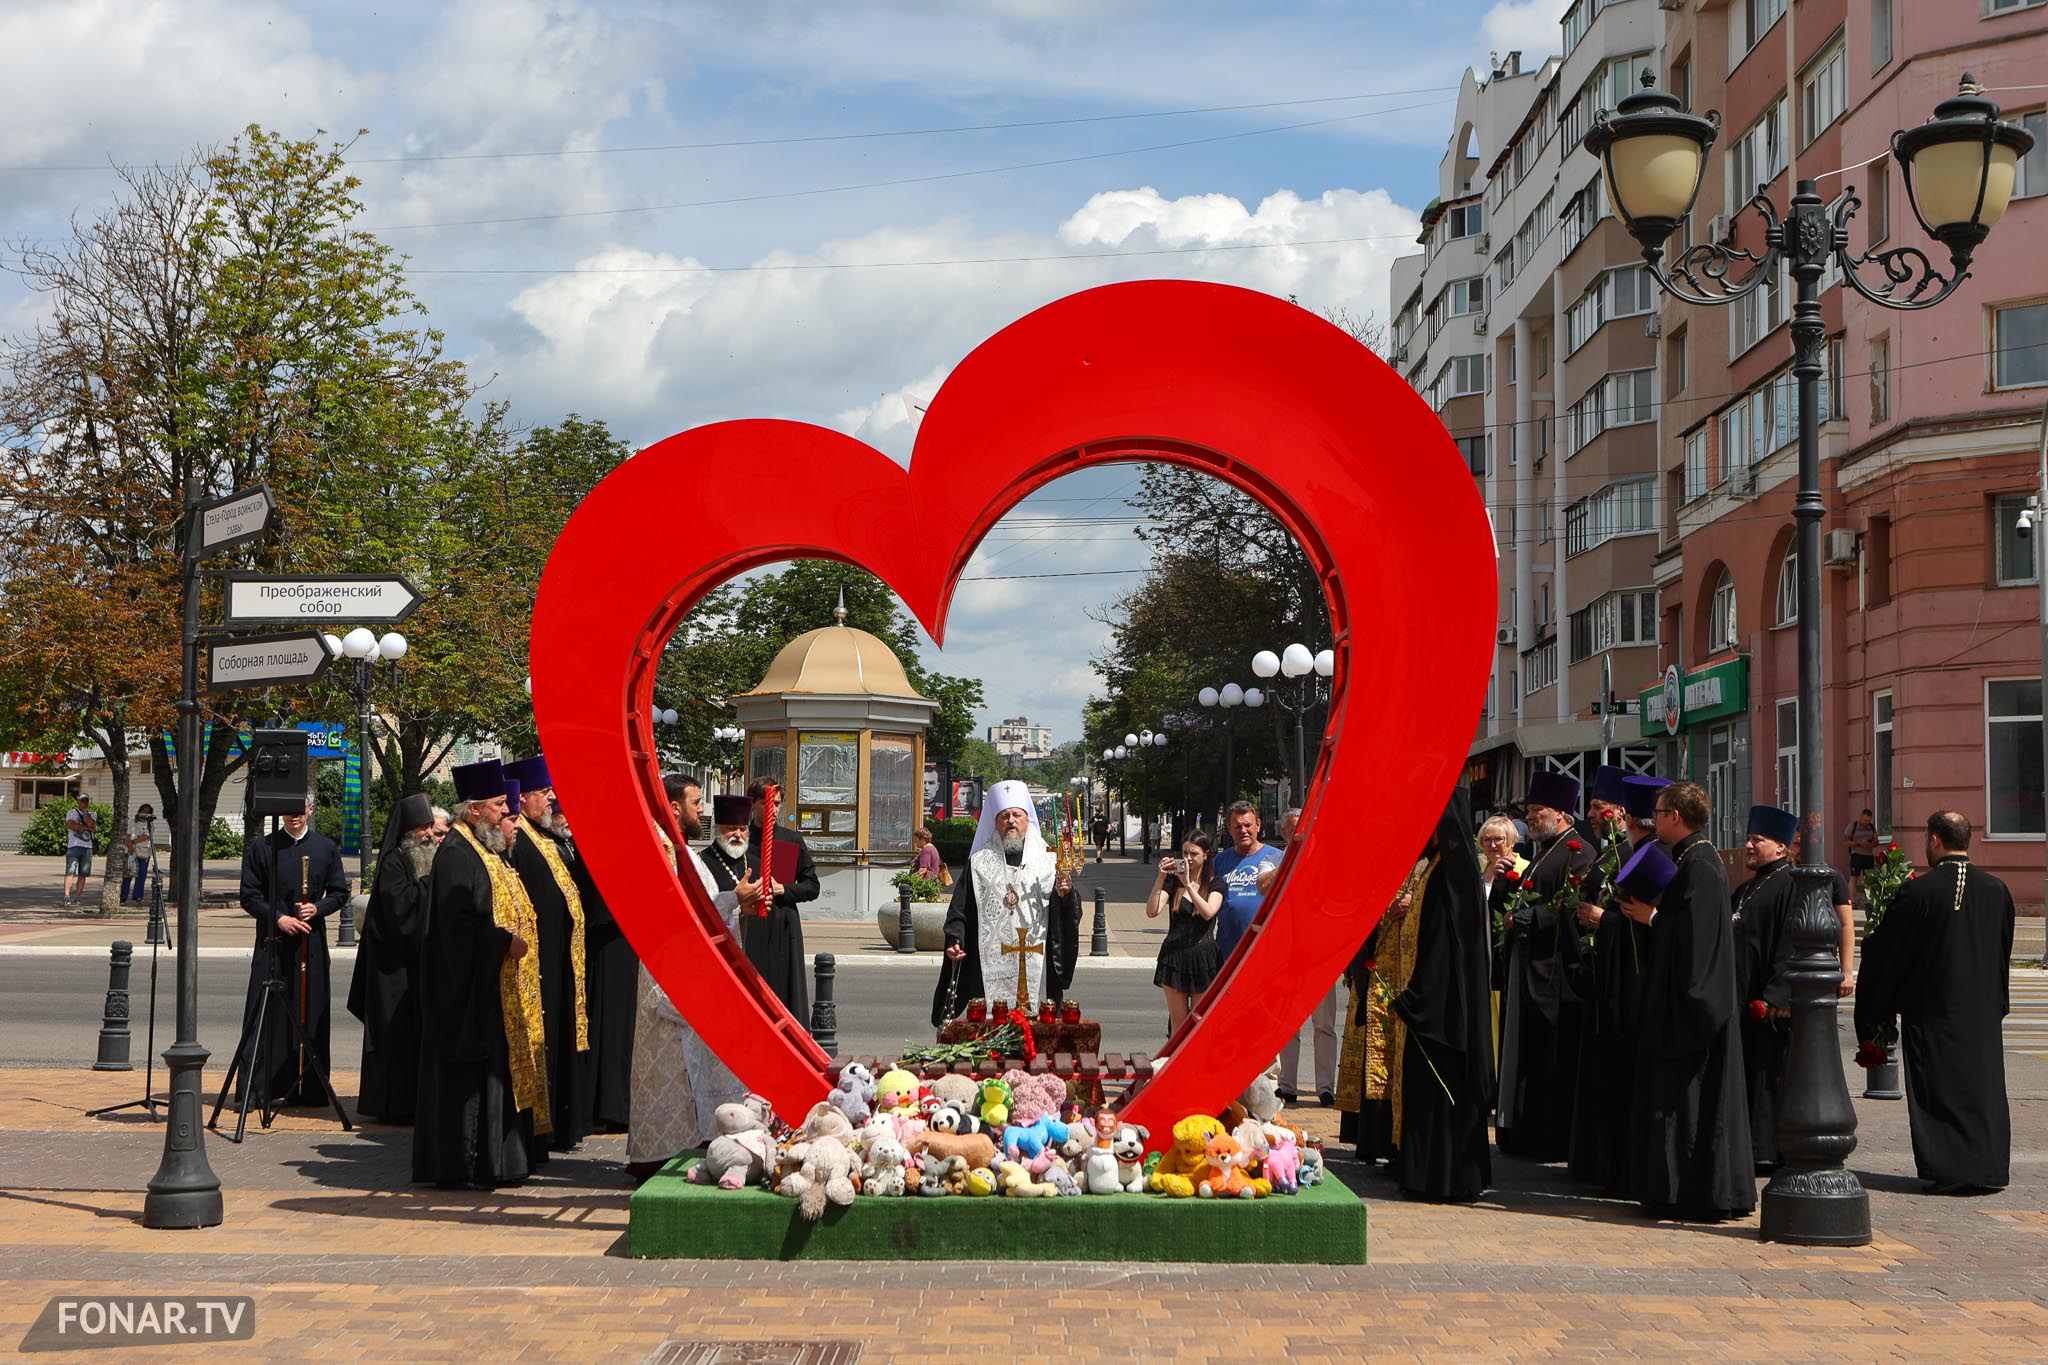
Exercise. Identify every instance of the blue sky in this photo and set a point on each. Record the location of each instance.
(528, 110)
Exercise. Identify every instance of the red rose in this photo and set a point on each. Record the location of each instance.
(1372, 964)
(1891, 848)
(1578, 881)
(1869, 1054)
(1513, 878)
(1574, 845)
(1759, 1011)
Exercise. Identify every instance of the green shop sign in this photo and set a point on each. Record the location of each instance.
(1680, 701)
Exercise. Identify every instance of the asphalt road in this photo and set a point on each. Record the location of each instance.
(50, 1006)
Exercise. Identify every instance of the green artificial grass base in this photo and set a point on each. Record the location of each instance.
(671, 1218)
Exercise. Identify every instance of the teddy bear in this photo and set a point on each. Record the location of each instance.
(1080, 1140)
(1186, 1162)
(823, 1161)
(896, 1093)
(1018, 1184)
(1034, 1143)
(1282, 1164)
(981, 1182)
(885, 1172)
(976, 1149)
(854, 1096)
(1226, 1179)
(959, 1091)
(1127, 1145)
(741, 1152)
(1033, 1097)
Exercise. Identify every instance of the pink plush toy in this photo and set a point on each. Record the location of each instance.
(1034, 1097)
(1282, 1165)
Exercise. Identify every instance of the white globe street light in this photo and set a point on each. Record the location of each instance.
(359, 644)
(1254, 698)
(1265, 663)
(1131, 741)
(392, 647)
(1208, 696)
(1326, 662)
(333, 643)
(1297, 661)
(1233, 695)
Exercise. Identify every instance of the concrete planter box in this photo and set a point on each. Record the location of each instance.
(927, 921)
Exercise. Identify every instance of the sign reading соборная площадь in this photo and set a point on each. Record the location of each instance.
(80, 1322)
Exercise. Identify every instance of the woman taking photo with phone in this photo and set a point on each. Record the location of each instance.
(1190, 895)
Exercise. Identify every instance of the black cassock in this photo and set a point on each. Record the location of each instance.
(278, 1080)
(1448, 1007)
(1938, 963)
(384, 993)
(1607, 1050)
(614, 972)
(1761, 908)
(572, 1074)
(1540, 1018)
(963, 930)
(775, 942)
(1689, 1142)
(466, 1130)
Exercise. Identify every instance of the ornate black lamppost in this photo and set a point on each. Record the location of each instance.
(363, 649)
(1959, 170)
(1229, 697)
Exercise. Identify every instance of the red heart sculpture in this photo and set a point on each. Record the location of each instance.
(1236, 384)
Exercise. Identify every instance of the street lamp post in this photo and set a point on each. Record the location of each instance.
(1303, 665)
(1959, 168)
(362, 649)
(730, 738)
(1230, 696)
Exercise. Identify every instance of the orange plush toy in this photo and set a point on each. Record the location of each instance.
(1226, 1178)
(1186, 1163)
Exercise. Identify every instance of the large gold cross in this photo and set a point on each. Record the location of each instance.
(1023, 977)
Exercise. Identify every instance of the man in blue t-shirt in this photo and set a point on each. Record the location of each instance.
(1238, 868)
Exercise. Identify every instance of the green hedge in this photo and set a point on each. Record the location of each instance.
(45, 836)
(953, 838)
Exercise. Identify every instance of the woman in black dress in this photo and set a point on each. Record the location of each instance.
(1190, 895)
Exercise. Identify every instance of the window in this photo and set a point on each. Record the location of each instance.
(1467, 296)
(2032, 176)
(2019, 339)
(1624, 508)
(1582, 212)
(1788, 586)
(1466, 220)
(1758, 156)
(1539, 669)
(2015, 551)
(33, 793)
(1758, 314)
(1726, 795)
(1542, 605)
(1734, 441)
(827, 777)
(1696, 465)
(1474, 448)
(893, 791)
(2009, 6)
(1619, 618)
(1788, 754)
(1577, 115)
(768, 757)
(2012, 756)
(1758, 16)
(1881, 762)
(1504, 268)
(1721, 623)
(1877, 562)
(1877, 201)
(1880, 379)
(1619, 400)
(1577, 20)
(1468, 375)
(1823, 92)
(1514, 691)
(1831, 402)
(1880, 54)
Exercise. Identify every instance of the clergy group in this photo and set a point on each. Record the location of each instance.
(1587, 980)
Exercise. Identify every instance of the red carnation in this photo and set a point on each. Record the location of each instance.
(1759, 1011)
(1573, 844)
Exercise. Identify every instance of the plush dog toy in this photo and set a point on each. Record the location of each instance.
(976, 1149)
(824, 1160)
(854, 1096)
(1226, 1178)
(885, 1172)
(1186, 1163)
(1018, 1184)
(1127, 1145)
(741, 1152)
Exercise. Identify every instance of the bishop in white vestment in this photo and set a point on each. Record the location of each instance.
(1012, 907)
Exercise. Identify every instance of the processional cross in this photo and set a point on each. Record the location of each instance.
(1020, 948)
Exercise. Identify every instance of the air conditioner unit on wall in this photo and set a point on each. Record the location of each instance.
(1840, 547)
(1742, 483)
(1653, 326)
(1504, 636)
(1479, 326)
(1720, 231)
(1484, 241)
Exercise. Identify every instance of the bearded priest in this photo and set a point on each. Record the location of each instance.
(1014, 905)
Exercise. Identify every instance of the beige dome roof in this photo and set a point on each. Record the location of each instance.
(835, 660)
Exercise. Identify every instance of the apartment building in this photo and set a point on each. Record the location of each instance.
(1530, 327)
(1931, 643)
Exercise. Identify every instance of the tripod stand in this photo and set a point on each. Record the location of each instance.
(249, 1048)
(158, 932)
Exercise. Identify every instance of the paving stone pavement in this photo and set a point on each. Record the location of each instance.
(348, 1261)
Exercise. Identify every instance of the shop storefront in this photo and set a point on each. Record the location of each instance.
(1701, 721)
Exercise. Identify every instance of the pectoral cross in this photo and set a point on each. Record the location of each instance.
(1023, 977)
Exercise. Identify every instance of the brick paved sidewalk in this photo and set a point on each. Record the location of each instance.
(347, 1261)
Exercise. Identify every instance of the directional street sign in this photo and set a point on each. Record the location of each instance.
(265, 661)
(236, 519)
(260, 599)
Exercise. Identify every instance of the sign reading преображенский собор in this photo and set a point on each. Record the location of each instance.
(91, 1322)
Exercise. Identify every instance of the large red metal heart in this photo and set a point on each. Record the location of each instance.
(1236, 384)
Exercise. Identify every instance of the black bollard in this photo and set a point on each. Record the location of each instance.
(824, 1010)
(1098, 946)
(157, 935)
(114, 1021)
(906, 929)
(345, 937)
(1814, 1199)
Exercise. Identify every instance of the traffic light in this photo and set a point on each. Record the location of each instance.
(277, 772)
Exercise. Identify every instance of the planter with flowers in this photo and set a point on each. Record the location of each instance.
(1878, 1054)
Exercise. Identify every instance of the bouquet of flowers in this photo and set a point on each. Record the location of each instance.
(1881, 887)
